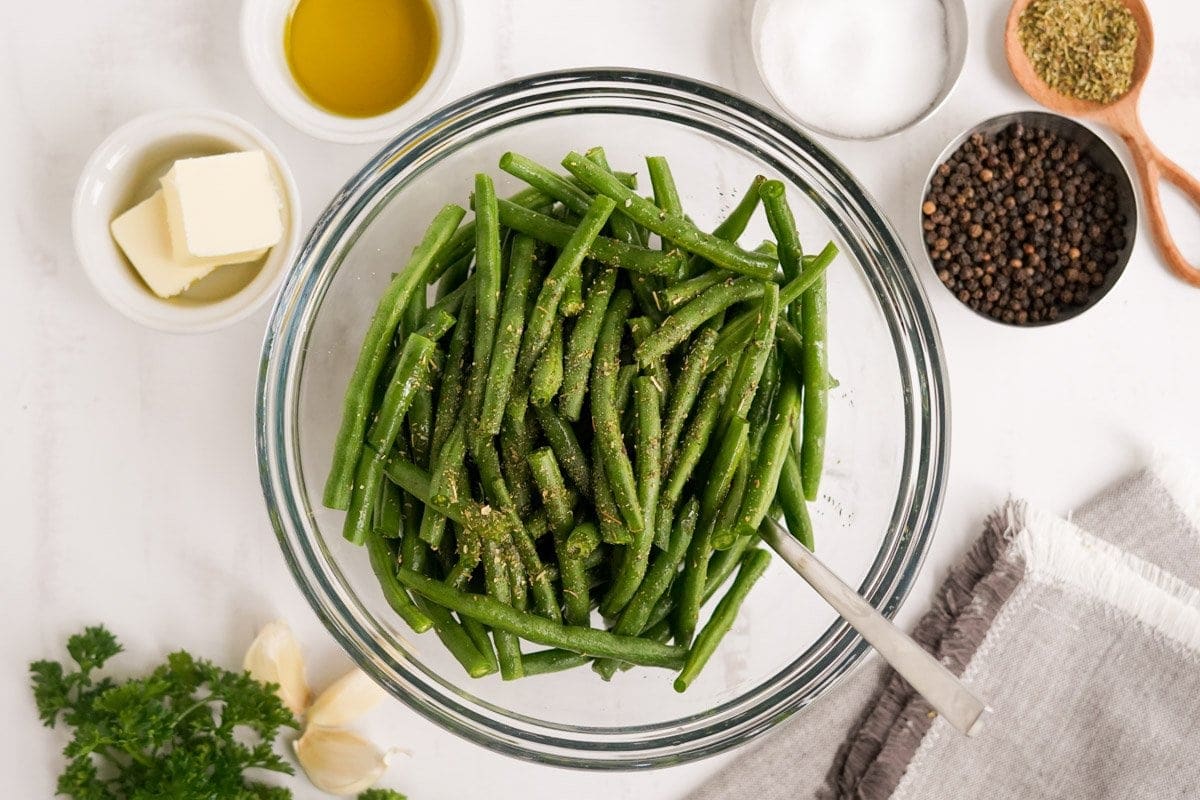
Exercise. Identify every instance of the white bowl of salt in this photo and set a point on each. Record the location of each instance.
(859, 69)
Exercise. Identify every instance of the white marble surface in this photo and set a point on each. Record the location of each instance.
(128, 481)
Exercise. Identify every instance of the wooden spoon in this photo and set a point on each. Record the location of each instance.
(1122, 116)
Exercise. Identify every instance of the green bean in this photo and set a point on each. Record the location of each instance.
(640, 328)
(585, 641)
(816, 387)
(545, 310)
(605, 250)
(383, 564)
(814, 273)
(470, 555)
(487, 462)
(658, 579)
(686, 390)
(624, 389)
(577, 602)
(791, 345)
(571, 303)
(488, 271)
(666, 195)
(413, 313)
(436, 324)
(734, 225)
(508, 336)
(543, 662)
(483, 642)
(454, 375)
(626, 230)
(754, 358)
(367, 482)
(443, 484)
(508, 647)
(516, 442)
(696, 437)
(649, 478)
(548, 370)
(680, 292)
(735, 335)
(454, 276)
(546, 181)
(556, 497)
(670, 226)
(725, 465)
(545, 598)
(682, 323)
(783, 225)
(451, 301)
(790, 495)
(764, 477)
(454, 636)
(583, 540)
(733, 338)
(582, 343)
(388, 516)
(347, 450)
(463, 240)
(612, 530)
(464, 511)
(412, 371)
(420, 414)
(605, 418)
(754, 564)
(566, 447)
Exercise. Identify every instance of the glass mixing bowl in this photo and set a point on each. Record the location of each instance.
(887, 454)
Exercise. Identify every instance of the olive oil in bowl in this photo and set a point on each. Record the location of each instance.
(361, 58)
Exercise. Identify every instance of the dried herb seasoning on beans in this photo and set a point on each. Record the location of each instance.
(1022, 226)
(571, 425)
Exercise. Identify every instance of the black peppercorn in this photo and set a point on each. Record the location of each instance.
(1022, 225)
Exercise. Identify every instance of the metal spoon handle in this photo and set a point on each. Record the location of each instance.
(946, 693)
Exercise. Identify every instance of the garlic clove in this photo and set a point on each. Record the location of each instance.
(274, 657)
(339, 761)
(347, 699)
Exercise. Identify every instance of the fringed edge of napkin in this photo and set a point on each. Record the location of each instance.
(1057, 552)
(1181, 479)
(873, 761)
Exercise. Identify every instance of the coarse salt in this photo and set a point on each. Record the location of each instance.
(855, 68)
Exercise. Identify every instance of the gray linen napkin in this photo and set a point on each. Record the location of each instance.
(1083, 636)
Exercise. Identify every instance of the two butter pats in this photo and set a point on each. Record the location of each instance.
(210, 212)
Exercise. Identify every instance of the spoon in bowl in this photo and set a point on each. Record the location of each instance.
(947, 694)
(1122, 116)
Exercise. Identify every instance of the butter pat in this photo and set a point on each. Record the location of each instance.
(141, 232)
(224, 206)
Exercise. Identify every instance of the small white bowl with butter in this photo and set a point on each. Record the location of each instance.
(186, 221)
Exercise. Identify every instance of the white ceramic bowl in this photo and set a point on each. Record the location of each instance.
(125, 170)
(263, 23)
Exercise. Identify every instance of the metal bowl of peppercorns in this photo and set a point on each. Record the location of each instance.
(1029, 218)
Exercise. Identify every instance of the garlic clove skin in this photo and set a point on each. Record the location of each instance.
(347, 699)
(339, 761)
(274, 657)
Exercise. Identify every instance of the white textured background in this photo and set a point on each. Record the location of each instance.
(128, 486)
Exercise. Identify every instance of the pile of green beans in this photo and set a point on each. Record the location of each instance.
(571, 415)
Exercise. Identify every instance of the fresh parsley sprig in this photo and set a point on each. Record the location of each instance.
(189, 730)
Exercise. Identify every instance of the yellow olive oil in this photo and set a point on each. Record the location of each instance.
(361, 58)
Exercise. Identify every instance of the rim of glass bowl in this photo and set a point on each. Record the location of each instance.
(872, 244)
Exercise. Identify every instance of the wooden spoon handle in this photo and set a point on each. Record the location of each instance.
(1154, 167)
